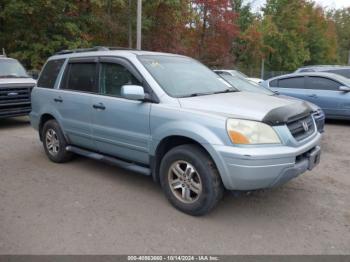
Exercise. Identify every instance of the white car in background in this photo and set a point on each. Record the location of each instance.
(237, 73)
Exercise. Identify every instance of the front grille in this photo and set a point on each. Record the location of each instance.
(302, 127)
(15, 100)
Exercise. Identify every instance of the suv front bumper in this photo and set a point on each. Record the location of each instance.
(249, 168)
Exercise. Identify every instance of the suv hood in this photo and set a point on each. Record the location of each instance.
(246, 105)
(17, 82)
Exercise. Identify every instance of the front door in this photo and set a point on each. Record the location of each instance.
(120, 126)
(326, 94)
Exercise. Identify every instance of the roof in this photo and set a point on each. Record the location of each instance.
(325, 66)
(321, 74)
(104, 51)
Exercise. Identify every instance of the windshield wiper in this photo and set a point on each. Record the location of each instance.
(226, 91)
(197, 94)
(209, 93)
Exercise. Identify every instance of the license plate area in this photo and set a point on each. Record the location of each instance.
(314, 157)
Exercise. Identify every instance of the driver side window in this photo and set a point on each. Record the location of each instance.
(113, 77)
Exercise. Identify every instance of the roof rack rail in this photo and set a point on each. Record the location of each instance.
(92, 49)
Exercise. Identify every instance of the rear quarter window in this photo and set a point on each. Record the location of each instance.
(49, 73)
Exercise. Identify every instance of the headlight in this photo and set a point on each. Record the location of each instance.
(251, 132)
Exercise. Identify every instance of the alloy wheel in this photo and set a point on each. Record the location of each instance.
(52, 142)
(185, 182)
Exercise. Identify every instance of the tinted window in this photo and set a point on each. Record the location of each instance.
(50, 72)
(273, 83)
(81, 77)
(293, 82)
(113, 77)
(321, 83)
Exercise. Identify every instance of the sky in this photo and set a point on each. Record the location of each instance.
(324, 3)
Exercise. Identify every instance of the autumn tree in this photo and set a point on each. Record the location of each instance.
(165, 25)
(214, 28)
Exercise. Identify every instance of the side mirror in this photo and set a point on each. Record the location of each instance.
(344, 88)
(133, 92)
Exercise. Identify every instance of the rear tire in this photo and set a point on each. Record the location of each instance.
(55, 143)
(190, 180)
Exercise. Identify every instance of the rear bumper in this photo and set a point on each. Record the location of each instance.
(265, 167)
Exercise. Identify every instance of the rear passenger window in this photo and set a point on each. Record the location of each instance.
(293, 82)
(113, 77)
(321, 83)
(81, 77)
(50, 72)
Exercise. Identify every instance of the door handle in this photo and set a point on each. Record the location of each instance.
(313, 95)
(99, 106)
(58, 99)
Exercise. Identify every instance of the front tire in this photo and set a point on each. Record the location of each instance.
(190, 180)
(55, 143)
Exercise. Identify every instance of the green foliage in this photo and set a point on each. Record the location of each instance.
(290, 34)
(286, 34)
(341, 20)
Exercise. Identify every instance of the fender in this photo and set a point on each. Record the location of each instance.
(199, 133)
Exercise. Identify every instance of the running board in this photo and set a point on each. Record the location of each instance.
(111, 160)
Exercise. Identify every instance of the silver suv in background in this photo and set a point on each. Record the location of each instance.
(170, 117)
(15, 88)
(335, 69)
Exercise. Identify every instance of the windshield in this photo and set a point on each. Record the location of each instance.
(183, 76)
(238, 73)
(342, 72)
(11, 68)
(244, 85)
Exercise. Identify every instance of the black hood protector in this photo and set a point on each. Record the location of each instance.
(285, 114)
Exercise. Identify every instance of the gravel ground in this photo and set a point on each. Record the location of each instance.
(88, 207)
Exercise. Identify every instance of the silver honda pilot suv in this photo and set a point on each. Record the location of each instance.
(170, 117)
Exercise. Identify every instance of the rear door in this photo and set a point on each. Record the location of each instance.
(74, 101)
(326, 94)
(44, 94)
(121, 127)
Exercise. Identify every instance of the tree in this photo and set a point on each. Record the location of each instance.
(320, 36)
(214, 28)
(341, 22)
(164, 26)
(34, 30)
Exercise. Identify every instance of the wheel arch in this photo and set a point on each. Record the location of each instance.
(168, 143)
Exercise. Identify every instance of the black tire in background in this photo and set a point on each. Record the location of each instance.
(52, 129)
(207, 175)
